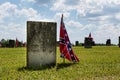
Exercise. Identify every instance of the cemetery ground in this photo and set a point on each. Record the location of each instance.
(97, 63)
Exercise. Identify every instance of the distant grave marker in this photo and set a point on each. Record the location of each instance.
(76, 43)
(108, 42)
(88, 42)
(41, 43)
(119, 41)
(11, 43)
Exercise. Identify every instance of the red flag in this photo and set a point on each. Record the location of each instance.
(17, 42)
(65, 45)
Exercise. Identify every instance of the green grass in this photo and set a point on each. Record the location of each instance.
(98, 63)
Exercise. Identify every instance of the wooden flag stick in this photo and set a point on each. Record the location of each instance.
(56, 62)
(56, 66)
(63, 60)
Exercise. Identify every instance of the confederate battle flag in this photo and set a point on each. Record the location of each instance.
(65, 45)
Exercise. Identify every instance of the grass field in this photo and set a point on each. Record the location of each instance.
(98, 63)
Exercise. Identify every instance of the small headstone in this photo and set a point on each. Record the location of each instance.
(41, 43)
(88, 42)
(11, 43)
(119, 41)
(0, 44)
(76, 43)
(108, 42)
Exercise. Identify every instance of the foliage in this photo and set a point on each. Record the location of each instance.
(98, 63)
(4, 42)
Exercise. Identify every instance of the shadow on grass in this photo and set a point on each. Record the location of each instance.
(63, 65)
(43, 67)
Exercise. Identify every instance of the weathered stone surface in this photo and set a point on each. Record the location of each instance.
(41, 43)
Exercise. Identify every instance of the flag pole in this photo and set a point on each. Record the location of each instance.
(63, 60)
(56, 63)
(63, 57)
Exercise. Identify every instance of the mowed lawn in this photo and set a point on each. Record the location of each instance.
(98, 63)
